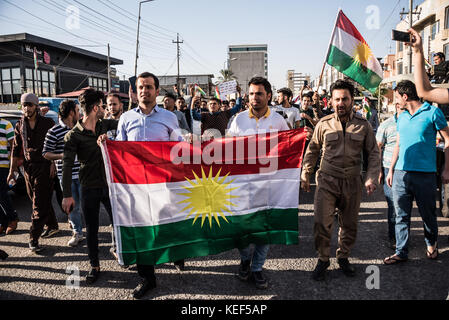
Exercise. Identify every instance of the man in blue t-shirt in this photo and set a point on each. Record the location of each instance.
(412, 172)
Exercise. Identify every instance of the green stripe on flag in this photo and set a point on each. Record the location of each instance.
(347, 65)
(175, 241)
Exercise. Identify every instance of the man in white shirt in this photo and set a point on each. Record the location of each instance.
(286, 109)
(258, 119)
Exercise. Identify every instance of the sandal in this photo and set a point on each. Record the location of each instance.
(394, 259)
(432, 255)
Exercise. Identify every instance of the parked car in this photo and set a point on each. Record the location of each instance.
(14, 116)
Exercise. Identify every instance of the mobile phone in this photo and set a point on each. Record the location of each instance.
(306, 83)
(132, 83)
(400, 36)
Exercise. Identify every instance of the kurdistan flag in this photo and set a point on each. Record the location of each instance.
(175, 200)
(350, 54)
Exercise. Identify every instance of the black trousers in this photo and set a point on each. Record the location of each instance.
(40, 189)
(90, 204)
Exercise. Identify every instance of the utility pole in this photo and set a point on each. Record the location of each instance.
(137, 41)
(109, 68)
(410, 13)
(178, 56)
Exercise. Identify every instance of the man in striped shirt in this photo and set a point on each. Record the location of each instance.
(8, 216)
(54, 150)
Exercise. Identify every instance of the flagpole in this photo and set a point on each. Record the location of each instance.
(328, 47)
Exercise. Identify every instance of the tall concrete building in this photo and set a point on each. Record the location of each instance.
(248, 61)
(296, 80)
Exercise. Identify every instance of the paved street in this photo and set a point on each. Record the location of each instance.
(45, 276)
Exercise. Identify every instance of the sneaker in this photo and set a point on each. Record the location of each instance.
(244, 270)
(12, 226)
(143, 287)
(34, 246)
(320, 270)
(347, 268)
(49, 233)
(260, 281)
(75, 240)
(92, 276)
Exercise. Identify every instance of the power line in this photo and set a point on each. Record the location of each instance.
(133, 15)
(37, 17)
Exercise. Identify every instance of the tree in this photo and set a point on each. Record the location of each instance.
(226, 75)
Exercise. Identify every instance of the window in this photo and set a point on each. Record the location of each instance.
(400, 46)
(446, 50)
(44, 85)
(400, 69)
(446, 18)
(99, 84)
(435, 29)
(10, 85)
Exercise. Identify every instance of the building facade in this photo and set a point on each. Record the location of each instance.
(433, 25)
(248, 61)
(47, 68)
(166, 83)
(296, 80)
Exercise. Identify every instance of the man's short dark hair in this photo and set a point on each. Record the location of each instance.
(441, 55)
(286, 91)
(181, 98)
(261, 81)
(116, 95)
(66, 107)
(89, 98)
(342, 85)
(308, 95)
(407, 87)
(215, 99)
(170, 95)
(149, 75)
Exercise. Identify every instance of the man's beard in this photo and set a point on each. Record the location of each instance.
(31, 115)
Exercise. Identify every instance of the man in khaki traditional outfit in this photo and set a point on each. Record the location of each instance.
(342, 137)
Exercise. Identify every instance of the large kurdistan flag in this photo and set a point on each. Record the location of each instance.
(175, 200)
(350, 54)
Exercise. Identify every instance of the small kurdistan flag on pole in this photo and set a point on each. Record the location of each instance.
(217, 93)
(198, 88)
(366, 108)
(350, 54)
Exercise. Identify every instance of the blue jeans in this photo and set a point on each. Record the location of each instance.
(420, 186)
(75, 215)
(391, 216)
(258, 257)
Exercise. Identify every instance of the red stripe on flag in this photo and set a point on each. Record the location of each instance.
(151, 161)
(345, 24)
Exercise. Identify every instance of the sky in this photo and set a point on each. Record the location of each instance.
(297, 32)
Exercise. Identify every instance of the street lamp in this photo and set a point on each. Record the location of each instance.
(137, 41)
(227, 63)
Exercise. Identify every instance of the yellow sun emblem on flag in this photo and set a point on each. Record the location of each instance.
(362, 54)
(208, 197)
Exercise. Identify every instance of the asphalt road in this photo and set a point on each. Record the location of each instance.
(53, 273)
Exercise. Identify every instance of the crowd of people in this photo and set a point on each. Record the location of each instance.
(400, 154)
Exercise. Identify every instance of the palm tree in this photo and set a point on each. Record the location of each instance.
(226, 75)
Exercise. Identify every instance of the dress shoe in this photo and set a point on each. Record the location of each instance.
(3, 255)
(145, 286)
(346, 267)
(179, 265)
(92, 276)
(320, 270)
